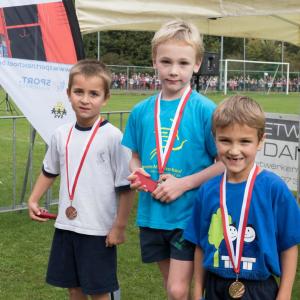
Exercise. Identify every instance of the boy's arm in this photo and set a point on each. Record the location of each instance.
(199, 274)
(41, 186)
(135, 162)
(288, 273)
(173, 187)
(116, 235)
(134, 165)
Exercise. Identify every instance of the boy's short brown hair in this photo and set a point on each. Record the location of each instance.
(90, 68)
(179, 30)
(240, 110)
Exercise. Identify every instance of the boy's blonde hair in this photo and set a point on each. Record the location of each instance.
(179, 30)
(90, 68)
(240, 110)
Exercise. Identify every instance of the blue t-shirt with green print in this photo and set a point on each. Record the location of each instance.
(193, 150)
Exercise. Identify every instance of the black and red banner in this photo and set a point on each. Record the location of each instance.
(39, 41)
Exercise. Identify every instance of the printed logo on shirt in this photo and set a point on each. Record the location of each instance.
(178, 144)
(216, 238)
(100, 157)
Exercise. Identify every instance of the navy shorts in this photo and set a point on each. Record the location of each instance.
(216, 288)
(159, 244)
(79, 260)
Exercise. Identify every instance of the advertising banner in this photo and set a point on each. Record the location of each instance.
(280, 152)
(39, 41)
(39, 90)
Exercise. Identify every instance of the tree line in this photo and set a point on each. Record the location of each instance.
(134, 48)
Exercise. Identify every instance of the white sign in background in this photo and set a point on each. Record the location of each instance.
(280, 153)
(39, 90)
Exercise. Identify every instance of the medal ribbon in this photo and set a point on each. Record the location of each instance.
(237, 256)
(163, 155)
(85, 149)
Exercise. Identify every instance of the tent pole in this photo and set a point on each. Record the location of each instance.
(282, 58)
(244, 79)
(98, 45)
(221, 63)
(287, 78)
(225, 77)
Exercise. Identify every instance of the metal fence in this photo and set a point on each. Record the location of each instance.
(21, 154)
(138, 78)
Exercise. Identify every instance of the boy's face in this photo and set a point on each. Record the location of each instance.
(237, 147)
(175, 62)
(87, 96)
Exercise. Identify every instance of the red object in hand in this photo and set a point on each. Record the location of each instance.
(150, 184)
(46, 215)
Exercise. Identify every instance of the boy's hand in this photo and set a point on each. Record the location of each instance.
(170, 188)
(116, 236)
(137, 185)
(34, 210)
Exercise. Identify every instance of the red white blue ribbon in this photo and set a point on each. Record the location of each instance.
(235, 255)
(85, 149)
(163, 152)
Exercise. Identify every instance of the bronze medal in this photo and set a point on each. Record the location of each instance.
(71, 213)
(236, 290)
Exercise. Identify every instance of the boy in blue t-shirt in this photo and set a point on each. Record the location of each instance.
(171, 141)
(245, 223)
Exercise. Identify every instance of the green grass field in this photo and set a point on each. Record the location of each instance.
(25, 245)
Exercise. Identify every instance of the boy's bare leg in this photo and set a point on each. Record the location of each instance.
(77, 294)
(164, 266)
(179, 279)
(100, 297)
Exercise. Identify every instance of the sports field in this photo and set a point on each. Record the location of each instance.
(24, 245)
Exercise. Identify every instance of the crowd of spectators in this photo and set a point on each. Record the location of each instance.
(263, 84)
(147, 81)
(138, 81)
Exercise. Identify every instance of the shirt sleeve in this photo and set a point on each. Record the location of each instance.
(287, 215)
(192, 232)
(130, 135)
(120, 157)
(51, 163)
(209, 138)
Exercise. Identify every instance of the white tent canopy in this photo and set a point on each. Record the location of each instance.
(268, 19)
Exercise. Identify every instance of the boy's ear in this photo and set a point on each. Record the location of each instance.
(106, 99)
(154, 61)
(68, 92)
(197, 66)
(261, 142)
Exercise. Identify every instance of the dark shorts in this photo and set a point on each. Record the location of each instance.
(158, 245)
(79, 260)
(216, 288)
